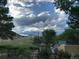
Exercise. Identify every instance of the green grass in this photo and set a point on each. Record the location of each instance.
(17, 41)
(21, 49)
(21, 44)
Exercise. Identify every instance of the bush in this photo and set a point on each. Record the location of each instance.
(45, 53)
(63, 54)
(21, 49)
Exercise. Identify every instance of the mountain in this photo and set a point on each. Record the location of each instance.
(18, 40)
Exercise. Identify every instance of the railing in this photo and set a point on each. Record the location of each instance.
(14, 54)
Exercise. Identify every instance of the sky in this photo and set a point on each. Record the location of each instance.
(34, 16)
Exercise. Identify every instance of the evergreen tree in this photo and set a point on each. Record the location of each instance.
(48, 36)
(48, 39)
(6, 23)
(71, 7)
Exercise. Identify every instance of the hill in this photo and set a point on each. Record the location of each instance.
(18, 40)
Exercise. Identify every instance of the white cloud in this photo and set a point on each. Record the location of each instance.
(31, 16)
(18, 29)
(14, 11)
(36, 0)
(26, 21)
(42, 21)
(13, 1)
(46, 13)
(45, 0)
(30, 29)
(17, 12)
(26, 1)
(29, 5)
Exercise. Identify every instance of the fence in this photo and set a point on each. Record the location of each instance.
(14, 54)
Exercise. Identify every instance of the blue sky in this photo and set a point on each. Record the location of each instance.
(33, 16)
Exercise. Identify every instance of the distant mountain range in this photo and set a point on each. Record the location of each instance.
(31, 33)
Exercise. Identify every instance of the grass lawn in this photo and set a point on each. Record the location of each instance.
(22, 44)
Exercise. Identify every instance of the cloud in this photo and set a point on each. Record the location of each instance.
(41, 22)
(17, 12)
(36, 1)
(26, 1)
(46, 13)
(46, 0)
(30, 18)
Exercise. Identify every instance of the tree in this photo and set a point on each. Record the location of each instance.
(37, 40)
(48, 36)
(71, 7)
(71, 36)
(48, 39)
(63, 55)
(6, 24)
